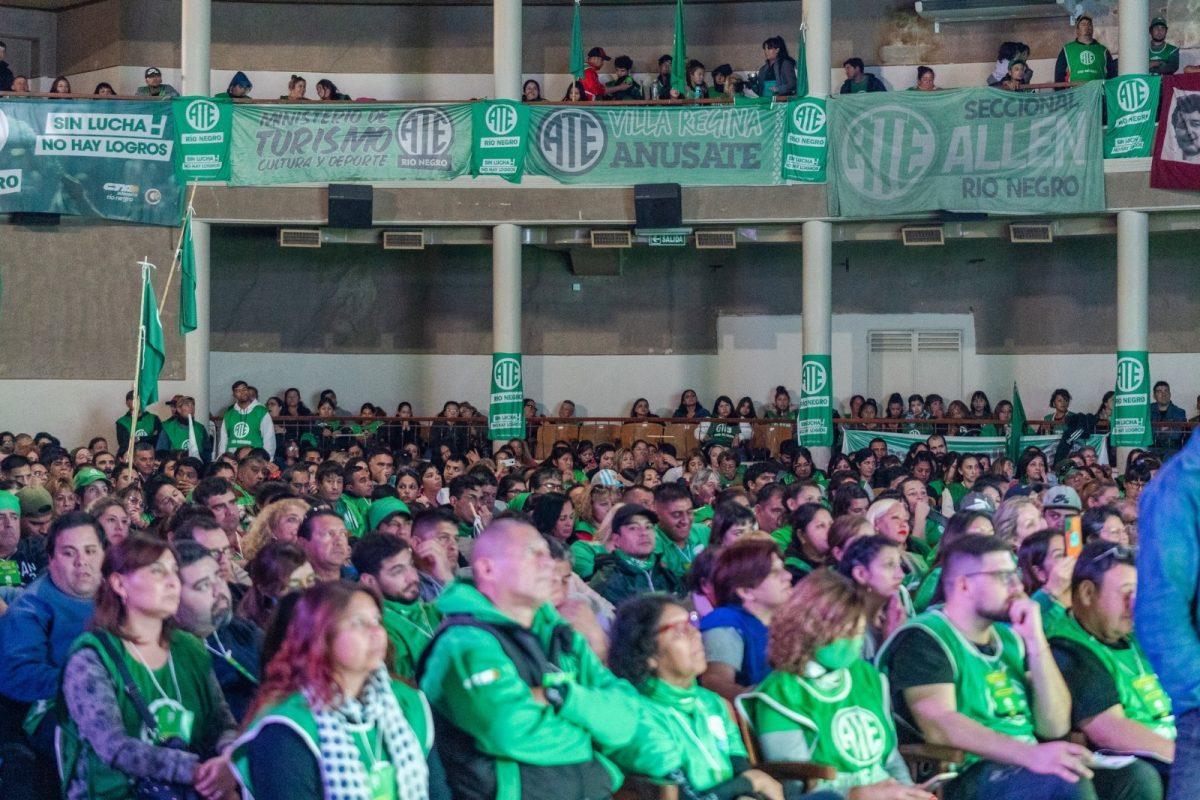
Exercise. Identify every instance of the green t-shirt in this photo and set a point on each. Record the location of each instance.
(410, 627)
(678, 558)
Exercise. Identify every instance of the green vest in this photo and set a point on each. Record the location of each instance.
(1167, 52)
(145, 426)
(243, 430)
(177, 434)
(584, 555)
(1086, 62)
(782, 536)
(353, 511)
(679, 559)
(295, 713)
(1142, 696)
(988, 689)
(698, 720)
(722, 433)
(410, 627)
(185, 681)
(844, 715)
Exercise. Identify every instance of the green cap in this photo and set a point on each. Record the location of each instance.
(87, 476)
(518, 502)
(35, 501)
(1158, 21)
(9, 502)
(383, 508)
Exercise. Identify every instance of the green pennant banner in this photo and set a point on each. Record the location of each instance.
(506, 419)
(806, 143)
(717, 145)
(814, 418)
(203, 130)
(501, 133)
(1132, 101)
(281, 144)
(1131, 403)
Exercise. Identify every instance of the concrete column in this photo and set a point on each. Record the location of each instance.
(1133, 293)
(506, 289)
(506, 48)
(196, 343)
(1133, 38)
(819, 40)
(196, 42)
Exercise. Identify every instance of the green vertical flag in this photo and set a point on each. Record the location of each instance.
(679, 54)
(187, 283)
(151, 355)
(1016, 426)
(577, 62)
(802, 63)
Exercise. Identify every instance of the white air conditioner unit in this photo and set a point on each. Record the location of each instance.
(939, 11)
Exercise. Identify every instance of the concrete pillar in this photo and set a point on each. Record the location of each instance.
(819, 40)
(506, 289)
(1133, 38)
(506, 48)
(1133, 293)
(196, 41)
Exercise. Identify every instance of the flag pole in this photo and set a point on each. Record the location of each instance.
(187, 214)
(137, 368)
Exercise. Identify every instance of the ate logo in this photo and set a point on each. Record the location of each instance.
(1129, 375)
(808, 117)
(501, 119)
(425, 132)
(886, 152)
(858, 736)
(202, 115)
(1087, 58)
(1132, 95)
(241, 430)
(813, 379)
(572, 140)
(506, 374)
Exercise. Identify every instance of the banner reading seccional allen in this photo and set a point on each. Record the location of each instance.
(281, 144)
(968, 150)
(699, 146)
(107, 159)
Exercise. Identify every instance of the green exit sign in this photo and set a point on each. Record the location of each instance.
(669, 240)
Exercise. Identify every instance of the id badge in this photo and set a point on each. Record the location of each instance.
(10, 573)
(1151, 693)
(383, 781)
(1003, 693)
(174, 720)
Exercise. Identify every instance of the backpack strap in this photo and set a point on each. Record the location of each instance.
(530, 661)
(131, 690)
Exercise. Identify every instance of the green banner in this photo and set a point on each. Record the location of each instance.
(717, 145)
(1132, 101)
(203, 130)
(814, 417)
(968, 150)
(501, 135)
(281, 144)
(805, 146)
(1131, 404)
(993, 446)
(506, 418)
(102, 158)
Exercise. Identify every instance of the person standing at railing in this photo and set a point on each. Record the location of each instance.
(660, 87)
(1164, 57)
(593, 87)
(6, 74)
(155, 87)
(1084, 59)
(776, 77)
(623, 86)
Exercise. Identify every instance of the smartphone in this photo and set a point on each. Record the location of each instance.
(938, 780)
(508, 462)
(1073, 534)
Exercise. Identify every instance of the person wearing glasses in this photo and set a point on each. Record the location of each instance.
(1116, 698)
(960, 679)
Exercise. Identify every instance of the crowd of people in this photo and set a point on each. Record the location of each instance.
(413, 619)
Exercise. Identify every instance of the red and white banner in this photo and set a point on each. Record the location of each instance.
(1176, 162)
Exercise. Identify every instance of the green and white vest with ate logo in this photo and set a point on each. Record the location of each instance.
(1086, 62)
(242, 429)
(146, 424)
(1141, 695)
(990, 689)
(722, 433)
(844, 716)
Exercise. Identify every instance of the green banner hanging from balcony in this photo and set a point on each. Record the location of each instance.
(806, 144)
(1131, 404)
(714, 145)
(506, 419)
(282, 144)
(1131, 101)
(814, 419)
(203, 130)
(98, 158)
(968, 150)
(501, 133)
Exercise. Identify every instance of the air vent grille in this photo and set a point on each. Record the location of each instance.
(1031, 233)
(716, 240)
(612, 240)
(403, 240)
(299, 237)
(923, 236)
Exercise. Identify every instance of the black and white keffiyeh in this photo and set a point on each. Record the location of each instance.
(343, 773)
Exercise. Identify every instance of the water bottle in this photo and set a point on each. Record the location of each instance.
(653, 90)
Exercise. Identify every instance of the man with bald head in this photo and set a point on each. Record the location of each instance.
(513, 685)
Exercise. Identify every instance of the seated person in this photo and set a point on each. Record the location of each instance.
(385, 564)
(1116, 699)
(823, 703)
(633, 567)
(873, 563)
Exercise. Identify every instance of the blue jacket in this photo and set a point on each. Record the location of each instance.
(754, 639)
(1167, 613)
(35, 637)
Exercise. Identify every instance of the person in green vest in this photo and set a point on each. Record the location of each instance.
(106, 745)
(385, 564)
(148, 427)
(822, 702)
(1164, 57)
(679, 537)
(723, 431)
(355, 501)
(524, 706)
(330, 723)
(246, 423)
(183, 432)
(1116, 698)
(977, 674)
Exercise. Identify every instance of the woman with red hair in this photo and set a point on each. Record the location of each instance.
(330, 722)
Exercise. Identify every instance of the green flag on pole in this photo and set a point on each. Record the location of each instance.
(679, 54)
(577, 62)
(187, 283)
(1016, 426)
(802, 62)
(151, 355)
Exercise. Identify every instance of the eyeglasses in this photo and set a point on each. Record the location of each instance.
(220, 552)
(1005, 576)
(680, 627)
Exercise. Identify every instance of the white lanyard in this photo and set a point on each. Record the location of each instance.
(170, 664)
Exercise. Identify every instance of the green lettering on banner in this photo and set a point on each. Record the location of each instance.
(968, 150)
(104, 158)
(1132, 101)
(718, 145)
(203, 129)
(282, 144)
(993, 446)
(506, 418)
(805, 145)
(1131, 403)
(814, 418)
(500, 130)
